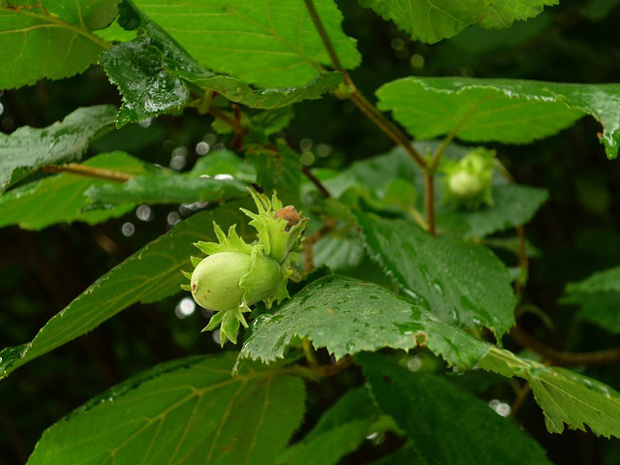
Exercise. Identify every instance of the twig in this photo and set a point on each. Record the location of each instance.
(558, 357)
(237, 127)
(330, 370)
(89, 171)
(309, 352)
(523, 261)
(387, 126)
(521, 396)
(314, 180)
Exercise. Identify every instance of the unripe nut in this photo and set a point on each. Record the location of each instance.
(215, 281)
(466, 184)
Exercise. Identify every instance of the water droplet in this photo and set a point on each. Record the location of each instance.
(202, 148)
(185, 308)
(173, 218)
(438, 288)
(224, 177)
(144, 213)
(128, 229)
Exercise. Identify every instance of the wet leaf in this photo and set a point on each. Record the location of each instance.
(458, 282)
(444, 423)
(28, 149)
(186, 411)
(271, 43)
(565, 396)
(501, 110)
(347, 316)
(431, 21)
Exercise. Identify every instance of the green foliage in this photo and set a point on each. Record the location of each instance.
(168, 416)
(432, 21)
(28, 148)
(441, 249)
(508, 111)
(347, 316)
(461, 283)
(247, 40)
(50, 38)
(444, 423)
(565, 396)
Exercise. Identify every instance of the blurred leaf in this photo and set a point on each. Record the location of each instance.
(271, 44)
(186, 411)
(339, 252)
(598, 10)
(279, 170)
(502, 110)
(513, 205)
(444, 423)
(61, 198)
(565, 396)
(149, 275)
(458, 282)
(406, 455)
(432, 21)
(65, 141)
(339, 431)
(347, 316)
(599, 298)
(50, 38)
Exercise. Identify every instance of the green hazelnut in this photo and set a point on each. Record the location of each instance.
(215, 281)
(465, 184)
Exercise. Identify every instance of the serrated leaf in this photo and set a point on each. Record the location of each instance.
(155, 74)
(502, 110)
(347, 316)
(186, 411)
(271, 43)
(149, 275)
(29, 148)
(602, 281)
(513, 205)
(50, 38)
(457, 281)
(60, 198)
(338, 432)
(446, 424)
(431, 21)
(565, 396)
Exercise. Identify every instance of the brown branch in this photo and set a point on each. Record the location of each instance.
(558, 357)
(236, 126)
(314, 180)
(330, 370)
(523, 261)
(521, 396)
(327, 43)
(89, 172)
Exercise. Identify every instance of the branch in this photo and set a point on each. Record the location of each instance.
(429, 200)
(558, 357)
(89, 172)
(314, 180)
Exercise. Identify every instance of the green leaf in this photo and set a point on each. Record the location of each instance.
(167, 188)
(565, 397)
(502, 110)
(339, 431)
(513, 205)
(279, 170)
(139, 71)
(347, 316)
(149, 275)
(60, 198)
(237, 91)
(50, 38)
(186, 411)
(28, 148)
(272, 43)
(459, 282)
(599, 298)
(431, 21)
(444, 423)
(155, 74)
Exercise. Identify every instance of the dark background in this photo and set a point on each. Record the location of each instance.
(577, 230)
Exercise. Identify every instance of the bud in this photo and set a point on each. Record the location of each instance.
(467, 182)
(235, 275)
